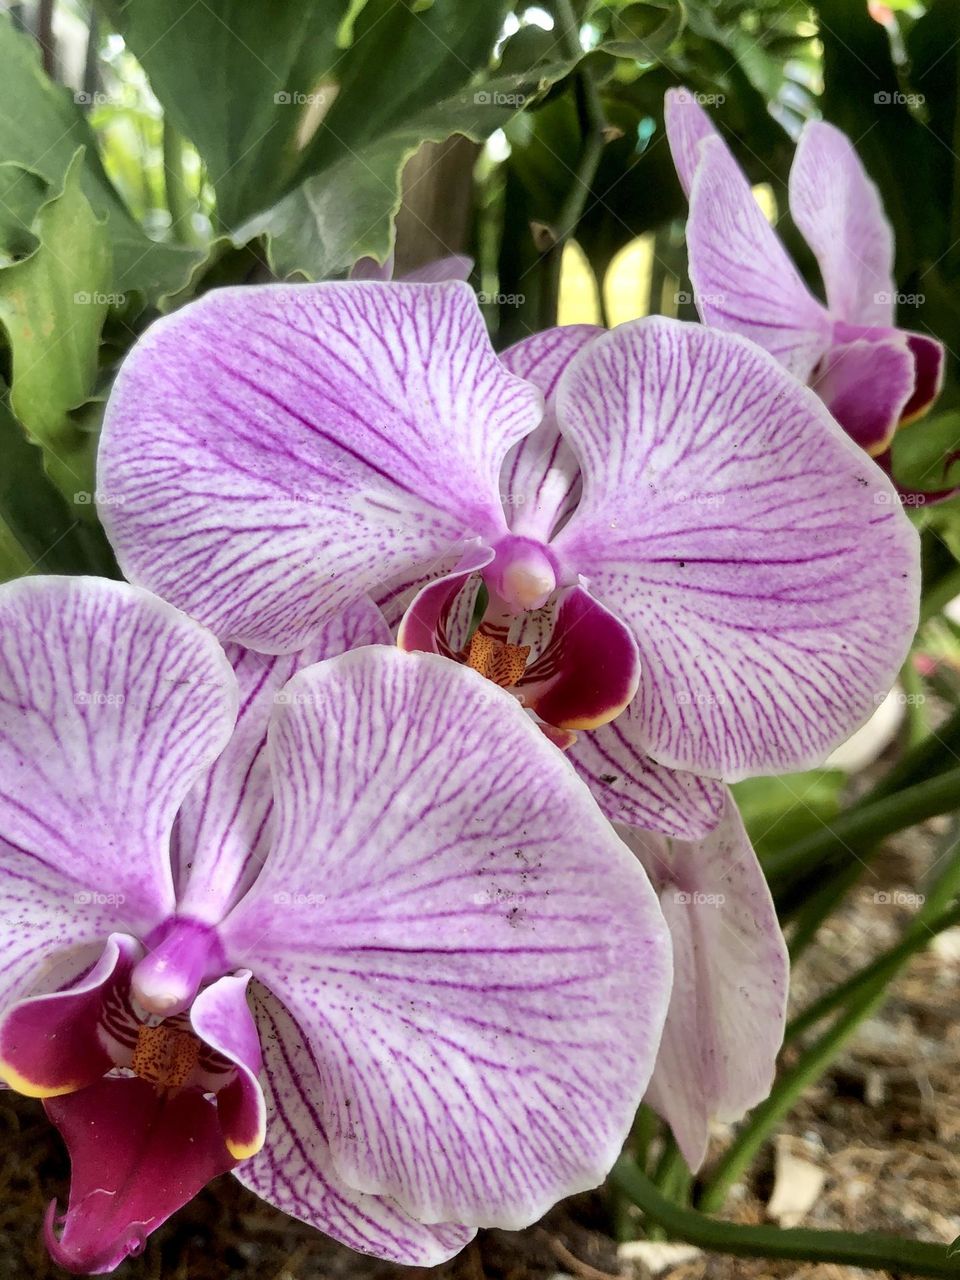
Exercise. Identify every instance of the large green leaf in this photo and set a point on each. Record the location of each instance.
(52, 307)
(242, 82)
(41, 128)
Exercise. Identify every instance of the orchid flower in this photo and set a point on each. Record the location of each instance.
(728, 1005)
(399, 985)
(873, 376)
(727, 577)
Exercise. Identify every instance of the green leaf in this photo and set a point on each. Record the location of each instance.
(246, 87)
(22, 192)
(926, 454)
(52, 306)
(645, 31)
(41, 128)
(779, 811)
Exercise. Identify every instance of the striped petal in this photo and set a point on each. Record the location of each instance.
(224, 830)
(866, 385)
(271, 454)
(295, 1171)
(763, 563)
(687, 125)
(727, 1010)
(112, 705)
(632, 788)
(743, 279)
(838, 211)
(478, 963)
(540, 482)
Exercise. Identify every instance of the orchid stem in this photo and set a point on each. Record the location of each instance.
(180, 201)
(869, 1250)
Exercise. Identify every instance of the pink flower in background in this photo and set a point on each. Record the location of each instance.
(873, 376)
(708, 562)
(388, 962)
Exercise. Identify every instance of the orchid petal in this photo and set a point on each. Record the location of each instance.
(368, 268)
(49, 1044)
(590, 668)
(540, 481)
(928, 356)
(742, 276)
(632, 788)
(221, 1018)
(478, 962)
(224, 829)
(422, 628)
(455, 266)
(295, 1172)
(112, 705)
(838, 211)
(866, 385)
(764, 564)
(136, 1156)
(687, 125)
(727, 1010)
(274, 453)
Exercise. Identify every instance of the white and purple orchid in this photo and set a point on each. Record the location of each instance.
(683, 546)
(399, 982)
(873, 376)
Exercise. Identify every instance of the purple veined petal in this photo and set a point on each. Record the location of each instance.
(423, 627)
(687, 125)
(221, 1017)
(223, 831)
(368, 268)
(632, 788)
(838, 211)
(478, 962)
(455, 266)
(540, 481)
(866, 385)
(589, 670)
(928, 355)
(727, 1010)
(49, 1044)
(112, 705)
(295, 1172)
(274, 453)
(743, 279)
(764, 564)
(136, 1156)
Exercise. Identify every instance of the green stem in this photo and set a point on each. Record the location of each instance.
(923, 760)
(593, 126)
(180, 199)
(881, 970)
(870, 1250)
(868, 824)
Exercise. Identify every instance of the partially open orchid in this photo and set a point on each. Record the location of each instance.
(362, 962)
(730, 566)
(728, 1006)
(873, 376)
